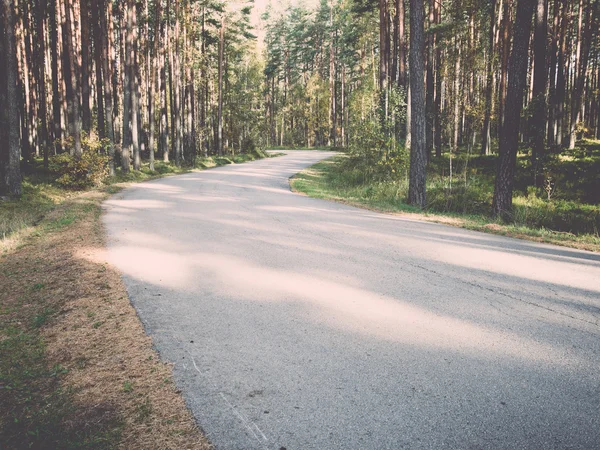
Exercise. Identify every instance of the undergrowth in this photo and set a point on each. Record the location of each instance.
(565, 208)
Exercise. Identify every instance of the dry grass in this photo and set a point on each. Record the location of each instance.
(119, 389)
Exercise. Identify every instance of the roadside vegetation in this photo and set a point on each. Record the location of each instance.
(76, 367)
(46, 189)
(564, 210)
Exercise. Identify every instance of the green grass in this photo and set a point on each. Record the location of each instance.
(467, 203)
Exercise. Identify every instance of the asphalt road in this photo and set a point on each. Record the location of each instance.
(302, 324)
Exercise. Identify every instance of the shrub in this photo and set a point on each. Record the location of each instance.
(81, 172)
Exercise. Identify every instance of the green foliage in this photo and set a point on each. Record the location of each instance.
(89, 170)
(469, 197)
(375, 154)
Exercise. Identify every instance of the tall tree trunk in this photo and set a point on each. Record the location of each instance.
(153, 82)
(384, 43)
(86, 112)
(97, 34)
(561, 79)
(107, 83)
(177, 93)
(505, 40)
(135, 91)
(401, 44)
(486, 132)
(11, 151)
(552, 106)
(418, 148)
(457, 104)
(56, 110)
(540, 77)
(70, 76)
(219, 136)
(127, 93)
(430, 79)
(583, 53)
(437, 114)
(40, 51)
(332, 75)
(164, 125)
(509, 138)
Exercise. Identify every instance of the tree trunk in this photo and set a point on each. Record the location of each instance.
(86, 112)
(401, 44)
(56, 110)
(153, 81)
(135, 90)
(561, 79)
(40, 14)
(10, 144)
(332, 74)
(107, 84)
(127, 94)
(70, 76)
(219, 136)
(486, 132)
(509, 138)
(505, 39)
(583, 53)
(418, 148)
(540, 77)
(177, 93)
(164, 125)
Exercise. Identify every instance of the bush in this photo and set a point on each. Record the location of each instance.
(81, 172)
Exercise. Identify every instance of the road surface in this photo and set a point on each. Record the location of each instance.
(295, 323)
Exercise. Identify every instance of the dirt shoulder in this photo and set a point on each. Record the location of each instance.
(76, 367)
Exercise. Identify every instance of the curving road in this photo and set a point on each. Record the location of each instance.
(302, 324)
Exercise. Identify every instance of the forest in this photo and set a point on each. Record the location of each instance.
(483, 114)
(508, 105)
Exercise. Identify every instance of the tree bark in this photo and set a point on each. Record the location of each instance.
(127, 94)
(135, 90)
(56, 110)
(509, 138)
(40, 15)
(86, 112)
(10, 143)
(540, 78)
(418, 149)
(219, 134)
(153, 81)
(70, 77)
(486, 133)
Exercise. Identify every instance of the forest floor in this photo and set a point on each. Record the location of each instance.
(552, 221)
(76, 367)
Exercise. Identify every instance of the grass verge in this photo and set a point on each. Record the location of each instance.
(325, 181)
(76, 367)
